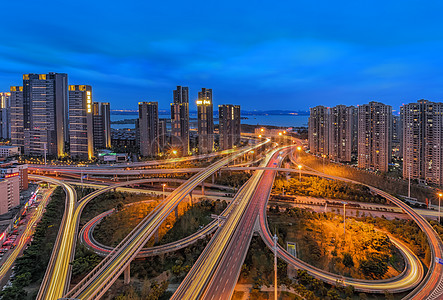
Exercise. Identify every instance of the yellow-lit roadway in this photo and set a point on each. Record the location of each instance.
(55, 282)
(101, 278)
(201, 274)
(26, 235)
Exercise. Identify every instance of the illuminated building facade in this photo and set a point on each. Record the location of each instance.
(81, 122)
(5, 125)
(422, 124)
(102, 124)
(205, 116)
(16, 117)
(180, 120)
(148, 128)
(229, 125)
(341, 142)
(318, 130)
(45, 114)
(374, 136)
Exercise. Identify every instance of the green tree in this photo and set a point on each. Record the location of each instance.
(347, 260)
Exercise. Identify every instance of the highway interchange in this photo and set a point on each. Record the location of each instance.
(207, 279)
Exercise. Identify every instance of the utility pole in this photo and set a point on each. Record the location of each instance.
(81, 179)
(275, 238)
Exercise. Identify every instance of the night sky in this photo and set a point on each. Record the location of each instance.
(260, 54)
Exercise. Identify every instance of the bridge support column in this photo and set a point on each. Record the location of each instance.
(190, 198)
(213, 178)
(156, 237)
(176, 212)
(127, 274)
(203, 188)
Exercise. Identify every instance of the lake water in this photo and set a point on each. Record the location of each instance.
(274, 120)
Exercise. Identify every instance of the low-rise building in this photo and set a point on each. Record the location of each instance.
(8, 151)
(9, 193)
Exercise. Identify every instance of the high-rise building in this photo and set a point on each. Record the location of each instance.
(5, 125)
(102, 124)
(162, 134)
(45, 113)
(148, 128)
(229, 125)
(205, 116)
(318, 130)
(374, 137)
(422, 124)
(341, 131)
(180, 119)
(396, 136)
(16, 117)
(81, 122)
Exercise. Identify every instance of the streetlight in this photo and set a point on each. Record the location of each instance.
(344, 219)
(299, 148)
(299, 172)
(164, 185)
(174, 152)
(439, 198)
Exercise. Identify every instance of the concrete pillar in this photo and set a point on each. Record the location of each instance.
(156, 237)
(176, 213)
(190, 198)
(127, 274)
(203, 188)
(213, 178)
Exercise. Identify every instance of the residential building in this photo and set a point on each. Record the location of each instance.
(5, 124)
(229, 125)
(148, 128)
(205, 119)
(422, 124)
(341, 133)
(102, 125)
(180, 120)
(16, 117)
(396, 136)
(162, 134)
(45, 114)
(374, 136)
(318, 130)
(81, 122)
(9, 193)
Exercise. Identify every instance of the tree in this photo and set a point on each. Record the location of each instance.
(347, 260)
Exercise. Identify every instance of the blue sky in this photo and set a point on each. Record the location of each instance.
(259, 54)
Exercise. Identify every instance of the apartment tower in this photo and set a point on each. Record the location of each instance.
(341, 132)
(422, 124)
(180, 120)
(318, 130)
(374, 137)
(205, 121)
(81, 122)
(229, 125)
(148, 128)
(45, 114)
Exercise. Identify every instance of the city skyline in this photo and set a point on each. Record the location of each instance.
(291, 52)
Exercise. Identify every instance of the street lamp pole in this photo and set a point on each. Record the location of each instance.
(439, 199)
(275, 238)
(299, 172)
(164, 184)
(344, 219)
